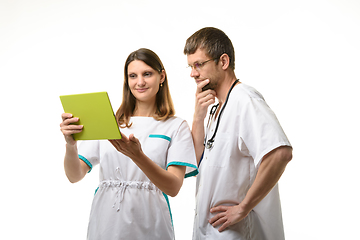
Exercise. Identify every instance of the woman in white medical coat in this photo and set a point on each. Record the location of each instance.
(147, 164)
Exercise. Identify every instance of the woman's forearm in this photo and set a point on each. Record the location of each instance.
(74, 167)
(168, 181)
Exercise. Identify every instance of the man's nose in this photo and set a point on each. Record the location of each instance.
(194, 72)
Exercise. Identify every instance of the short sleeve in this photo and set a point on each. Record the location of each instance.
(89, 152)
(181, 150)
(260, 130)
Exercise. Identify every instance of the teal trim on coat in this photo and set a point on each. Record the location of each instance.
(190, 174)
(86, 161)
(160, 136)
(168, 203)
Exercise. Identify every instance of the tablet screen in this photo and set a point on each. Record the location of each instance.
(95, 114)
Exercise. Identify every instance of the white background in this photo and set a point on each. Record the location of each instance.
(303, 56)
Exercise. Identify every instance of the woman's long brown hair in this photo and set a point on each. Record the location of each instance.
(164, 105)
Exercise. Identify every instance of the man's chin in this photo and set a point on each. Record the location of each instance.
(208, 86)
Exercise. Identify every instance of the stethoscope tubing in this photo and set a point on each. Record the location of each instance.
(209, 144)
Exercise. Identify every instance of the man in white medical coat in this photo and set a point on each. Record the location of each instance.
(245, 150)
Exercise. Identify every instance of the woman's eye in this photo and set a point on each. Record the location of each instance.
(132, 76)
(147, 74)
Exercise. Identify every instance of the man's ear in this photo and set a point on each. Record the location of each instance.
(224, 61)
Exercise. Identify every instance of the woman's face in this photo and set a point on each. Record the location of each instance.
(144, 82)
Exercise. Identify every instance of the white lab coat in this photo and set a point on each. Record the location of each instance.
(126, 204)
(248, 130)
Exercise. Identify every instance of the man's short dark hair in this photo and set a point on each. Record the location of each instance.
(213, 41)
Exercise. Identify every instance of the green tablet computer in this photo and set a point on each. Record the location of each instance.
(95, 114)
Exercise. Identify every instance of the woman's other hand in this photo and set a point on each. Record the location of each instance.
(129, 146)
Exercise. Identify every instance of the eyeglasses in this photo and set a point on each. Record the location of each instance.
(199, 65)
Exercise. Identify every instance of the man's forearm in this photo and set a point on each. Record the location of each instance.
(270, 170)
(198, 134)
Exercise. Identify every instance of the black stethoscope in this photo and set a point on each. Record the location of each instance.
(209, 144)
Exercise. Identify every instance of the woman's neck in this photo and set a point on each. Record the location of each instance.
(144, 110)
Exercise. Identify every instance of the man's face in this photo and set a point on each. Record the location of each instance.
(202, 68)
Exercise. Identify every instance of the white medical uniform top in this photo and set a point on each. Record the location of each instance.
(127, 205)
(248, 130)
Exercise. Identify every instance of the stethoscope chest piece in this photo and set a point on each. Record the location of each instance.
(209, 144)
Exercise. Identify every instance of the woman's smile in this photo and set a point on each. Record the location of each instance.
(141, 90)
